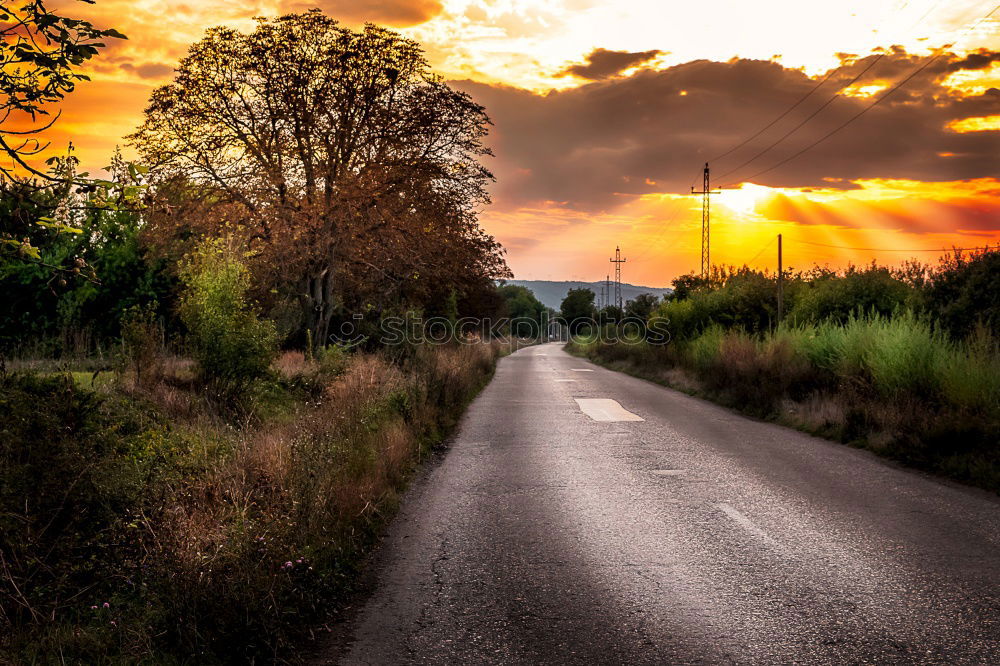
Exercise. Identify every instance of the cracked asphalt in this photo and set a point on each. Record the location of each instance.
(695, 535)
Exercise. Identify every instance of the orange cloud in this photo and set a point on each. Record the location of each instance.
(396, 13)
(979, 124)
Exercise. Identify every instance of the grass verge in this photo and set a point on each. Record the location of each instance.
(143, 523)
(892, 385)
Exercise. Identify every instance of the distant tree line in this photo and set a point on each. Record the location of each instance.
(959, 295)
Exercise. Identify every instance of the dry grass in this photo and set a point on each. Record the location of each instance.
(817, 413)
(245, 534)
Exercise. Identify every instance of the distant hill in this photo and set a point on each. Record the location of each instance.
(552, 293)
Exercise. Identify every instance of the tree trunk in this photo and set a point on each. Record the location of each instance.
(318, 304)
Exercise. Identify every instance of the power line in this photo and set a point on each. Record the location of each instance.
(818, 110)
(675, 209)
(868, 108)
(760, 252)
(806, 119)
(807, 95)
(889, 249)
(773, 122)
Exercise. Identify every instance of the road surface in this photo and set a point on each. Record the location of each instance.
(582, 516)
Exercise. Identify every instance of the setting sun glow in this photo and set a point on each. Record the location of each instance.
(603, 113)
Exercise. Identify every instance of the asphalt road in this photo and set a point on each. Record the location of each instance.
(694, 535)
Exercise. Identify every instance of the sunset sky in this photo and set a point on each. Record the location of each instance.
(605, 113)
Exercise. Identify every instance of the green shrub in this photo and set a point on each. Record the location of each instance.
(703, 351)
(970, 374)
(831, 297)
(902, 355)
(740, 298)
(74, 477)
(965, 291)
(142, 342)
(231, 345)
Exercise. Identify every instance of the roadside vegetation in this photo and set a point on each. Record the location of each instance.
(202, 427)
(145, 520)
(905, 362)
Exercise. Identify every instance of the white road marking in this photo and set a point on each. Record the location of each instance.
(669, 472)
(605, 409)
(581, 369)
(745, 523)
(565, 380)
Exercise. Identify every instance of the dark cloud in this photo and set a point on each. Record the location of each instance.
(599, 145)
(980, 59)
(603, 64)
(148, 70)
(397, 13)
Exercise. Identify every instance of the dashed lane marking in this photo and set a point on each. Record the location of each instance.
(605, 409)
(745, 523)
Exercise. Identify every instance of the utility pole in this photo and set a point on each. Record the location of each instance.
(607, 291)
(781, 279)
(618, 261)
(705, 192)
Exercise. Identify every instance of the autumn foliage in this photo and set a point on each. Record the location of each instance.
(351, 173)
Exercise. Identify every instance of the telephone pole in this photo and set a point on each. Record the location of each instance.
(705, 192)
(618, 261)
(781, 279)
(607, 291)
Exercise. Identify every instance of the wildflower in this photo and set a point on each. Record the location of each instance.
(288, 565)
(93, 608)
(107, 605)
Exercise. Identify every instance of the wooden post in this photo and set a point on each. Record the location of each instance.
(781, 279)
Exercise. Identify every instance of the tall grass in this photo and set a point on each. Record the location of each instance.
(152, 528)
(891, 382)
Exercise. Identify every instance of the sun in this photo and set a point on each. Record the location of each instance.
(745, 199)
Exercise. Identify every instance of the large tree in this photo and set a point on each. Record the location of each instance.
(328, 148)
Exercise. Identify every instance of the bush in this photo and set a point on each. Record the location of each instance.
(970, 374)
(965, 291)
(742, 298)
(703, 351)
(231, 345)
(142, 342)
(73, 475)
(831, 297)
(207, 543)
(903, 356)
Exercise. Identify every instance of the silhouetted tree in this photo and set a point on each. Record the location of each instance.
(524, 310)
(577, 309)
(641, 306)
(964, 291)
(329, 148)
